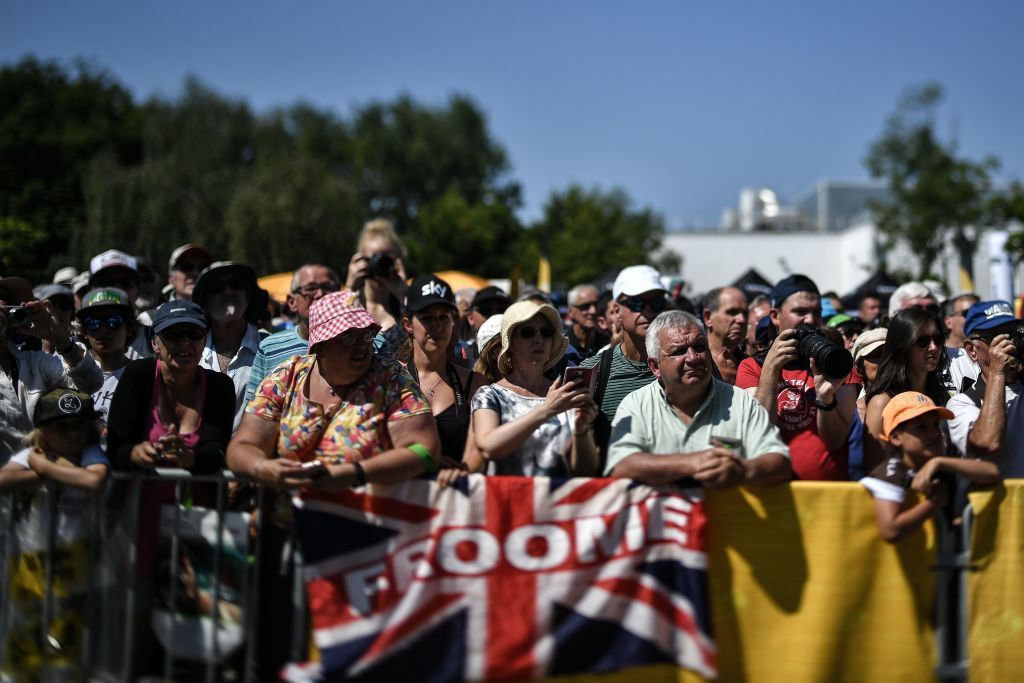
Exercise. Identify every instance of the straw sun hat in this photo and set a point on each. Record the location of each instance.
(514, 317)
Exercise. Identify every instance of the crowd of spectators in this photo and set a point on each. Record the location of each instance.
(376, 378)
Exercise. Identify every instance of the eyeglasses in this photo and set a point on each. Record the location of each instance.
(350, 339)
(925, 340)
(431, 320)
(112, 322)
(586, 306)
(529, 332)
(638, 305)
(309, 290)
(174, 335)
(698, 348)
(218, 286)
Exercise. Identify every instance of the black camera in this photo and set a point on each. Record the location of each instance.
(1017, 337)
(18, 316)
(382, 266)
(834, 361)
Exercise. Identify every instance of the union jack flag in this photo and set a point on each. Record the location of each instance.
(503, 578)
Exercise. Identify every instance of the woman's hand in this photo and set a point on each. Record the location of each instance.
(172, 451)
(562, 397)
(585, 416)
(284, 474)
(449, 471)
(358, 270)
(145, 454)
(335, 478)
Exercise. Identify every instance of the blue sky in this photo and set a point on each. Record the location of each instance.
(680, 103)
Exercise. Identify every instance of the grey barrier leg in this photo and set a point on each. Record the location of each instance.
(48, 642)
(173, 597)
(251, 615)
(218, 550)
(91, 609)
(127, 661)
(7, 507)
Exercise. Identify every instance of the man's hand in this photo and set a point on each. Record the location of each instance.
(784, 350)
(1001, 355)
(825, 388)
(44, 324)
(719, 468)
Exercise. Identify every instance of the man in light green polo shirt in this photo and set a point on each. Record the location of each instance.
(688, 424)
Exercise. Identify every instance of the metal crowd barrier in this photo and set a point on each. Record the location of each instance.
(108, 645)
(104, 659)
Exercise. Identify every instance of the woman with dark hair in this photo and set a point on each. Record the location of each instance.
(429, 319)
(913, 359)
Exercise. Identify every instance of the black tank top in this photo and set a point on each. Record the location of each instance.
(453, 421)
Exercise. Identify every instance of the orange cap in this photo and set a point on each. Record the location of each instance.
(906, 406)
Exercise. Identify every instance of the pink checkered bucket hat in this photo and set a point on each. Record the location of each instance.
(330, 316)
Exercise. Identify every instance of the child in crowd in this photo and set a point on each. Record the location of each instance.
(64, 447)
(910, 425)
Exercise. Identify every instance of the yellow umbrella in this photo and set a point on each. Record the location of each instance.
(460, 280)
(277, 285)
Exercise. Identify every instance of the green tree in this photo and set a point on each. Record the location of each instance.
(1006, 208)
(482, 238)
(935, 194)
(589, 233)
(54, 120)
(406, 156)
(290, 212)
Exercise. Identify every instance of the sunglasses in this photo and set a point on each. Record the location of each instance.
(529, 332)
(638, 305)
(310, 290)
(586, 306)
(925, 340)
(189, 332)
(849, 332)
(111, 322)
(350, 339)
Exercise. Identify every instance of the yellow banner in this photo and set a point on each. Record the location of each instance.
(804, 589)
(995, 594)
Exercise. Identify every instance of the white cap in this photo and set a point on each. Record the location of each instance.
(65, 275)
(110, 259)
(490, 327)
(637, 280)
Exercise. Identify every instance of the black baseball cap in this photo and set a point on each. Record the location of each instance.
(426, 291)
(61, 403)
(789, 286)
(491, 294)
(178, 313)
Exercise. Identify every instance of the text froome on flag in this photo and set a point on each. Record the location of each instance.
(470, 551)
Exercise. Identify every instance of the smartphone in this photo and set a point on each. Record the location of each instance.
(584, 378)
(315, 468)
(731, 443)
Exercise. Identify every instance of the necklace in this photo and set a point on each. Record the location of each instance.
(430, 389)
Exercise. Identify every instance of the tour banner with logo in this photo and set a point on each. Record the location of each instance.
(504, 578)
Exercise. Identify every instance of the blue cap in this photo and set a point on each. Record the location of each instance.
(178, 313)
(765, 328)
(985, 315)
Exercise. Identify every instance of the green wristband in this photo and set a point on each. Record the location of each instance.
(424, 454)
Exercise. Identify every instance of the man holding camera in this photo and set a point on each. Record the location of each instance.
(813, 411)
(989, 417)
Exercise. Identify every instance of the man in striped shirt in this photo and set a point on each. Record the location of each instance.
(309, 283)
(640, 296)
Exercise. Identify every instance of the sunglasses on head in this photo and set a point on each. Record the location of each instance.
(638, 305)
(529, 332)
(175, 335)
(925, 340)
(111, 322)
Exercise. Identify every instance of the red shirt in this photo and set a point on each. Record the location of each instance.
(797, 419)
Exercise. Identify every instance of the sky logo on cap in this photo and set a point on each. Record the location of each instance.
(434, 287)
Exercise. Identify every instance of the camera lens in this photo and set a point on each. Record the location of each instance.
(834, 361)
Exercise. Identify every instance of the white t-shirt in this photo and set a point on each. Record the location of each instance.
(1010, 457)
(961, 366)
